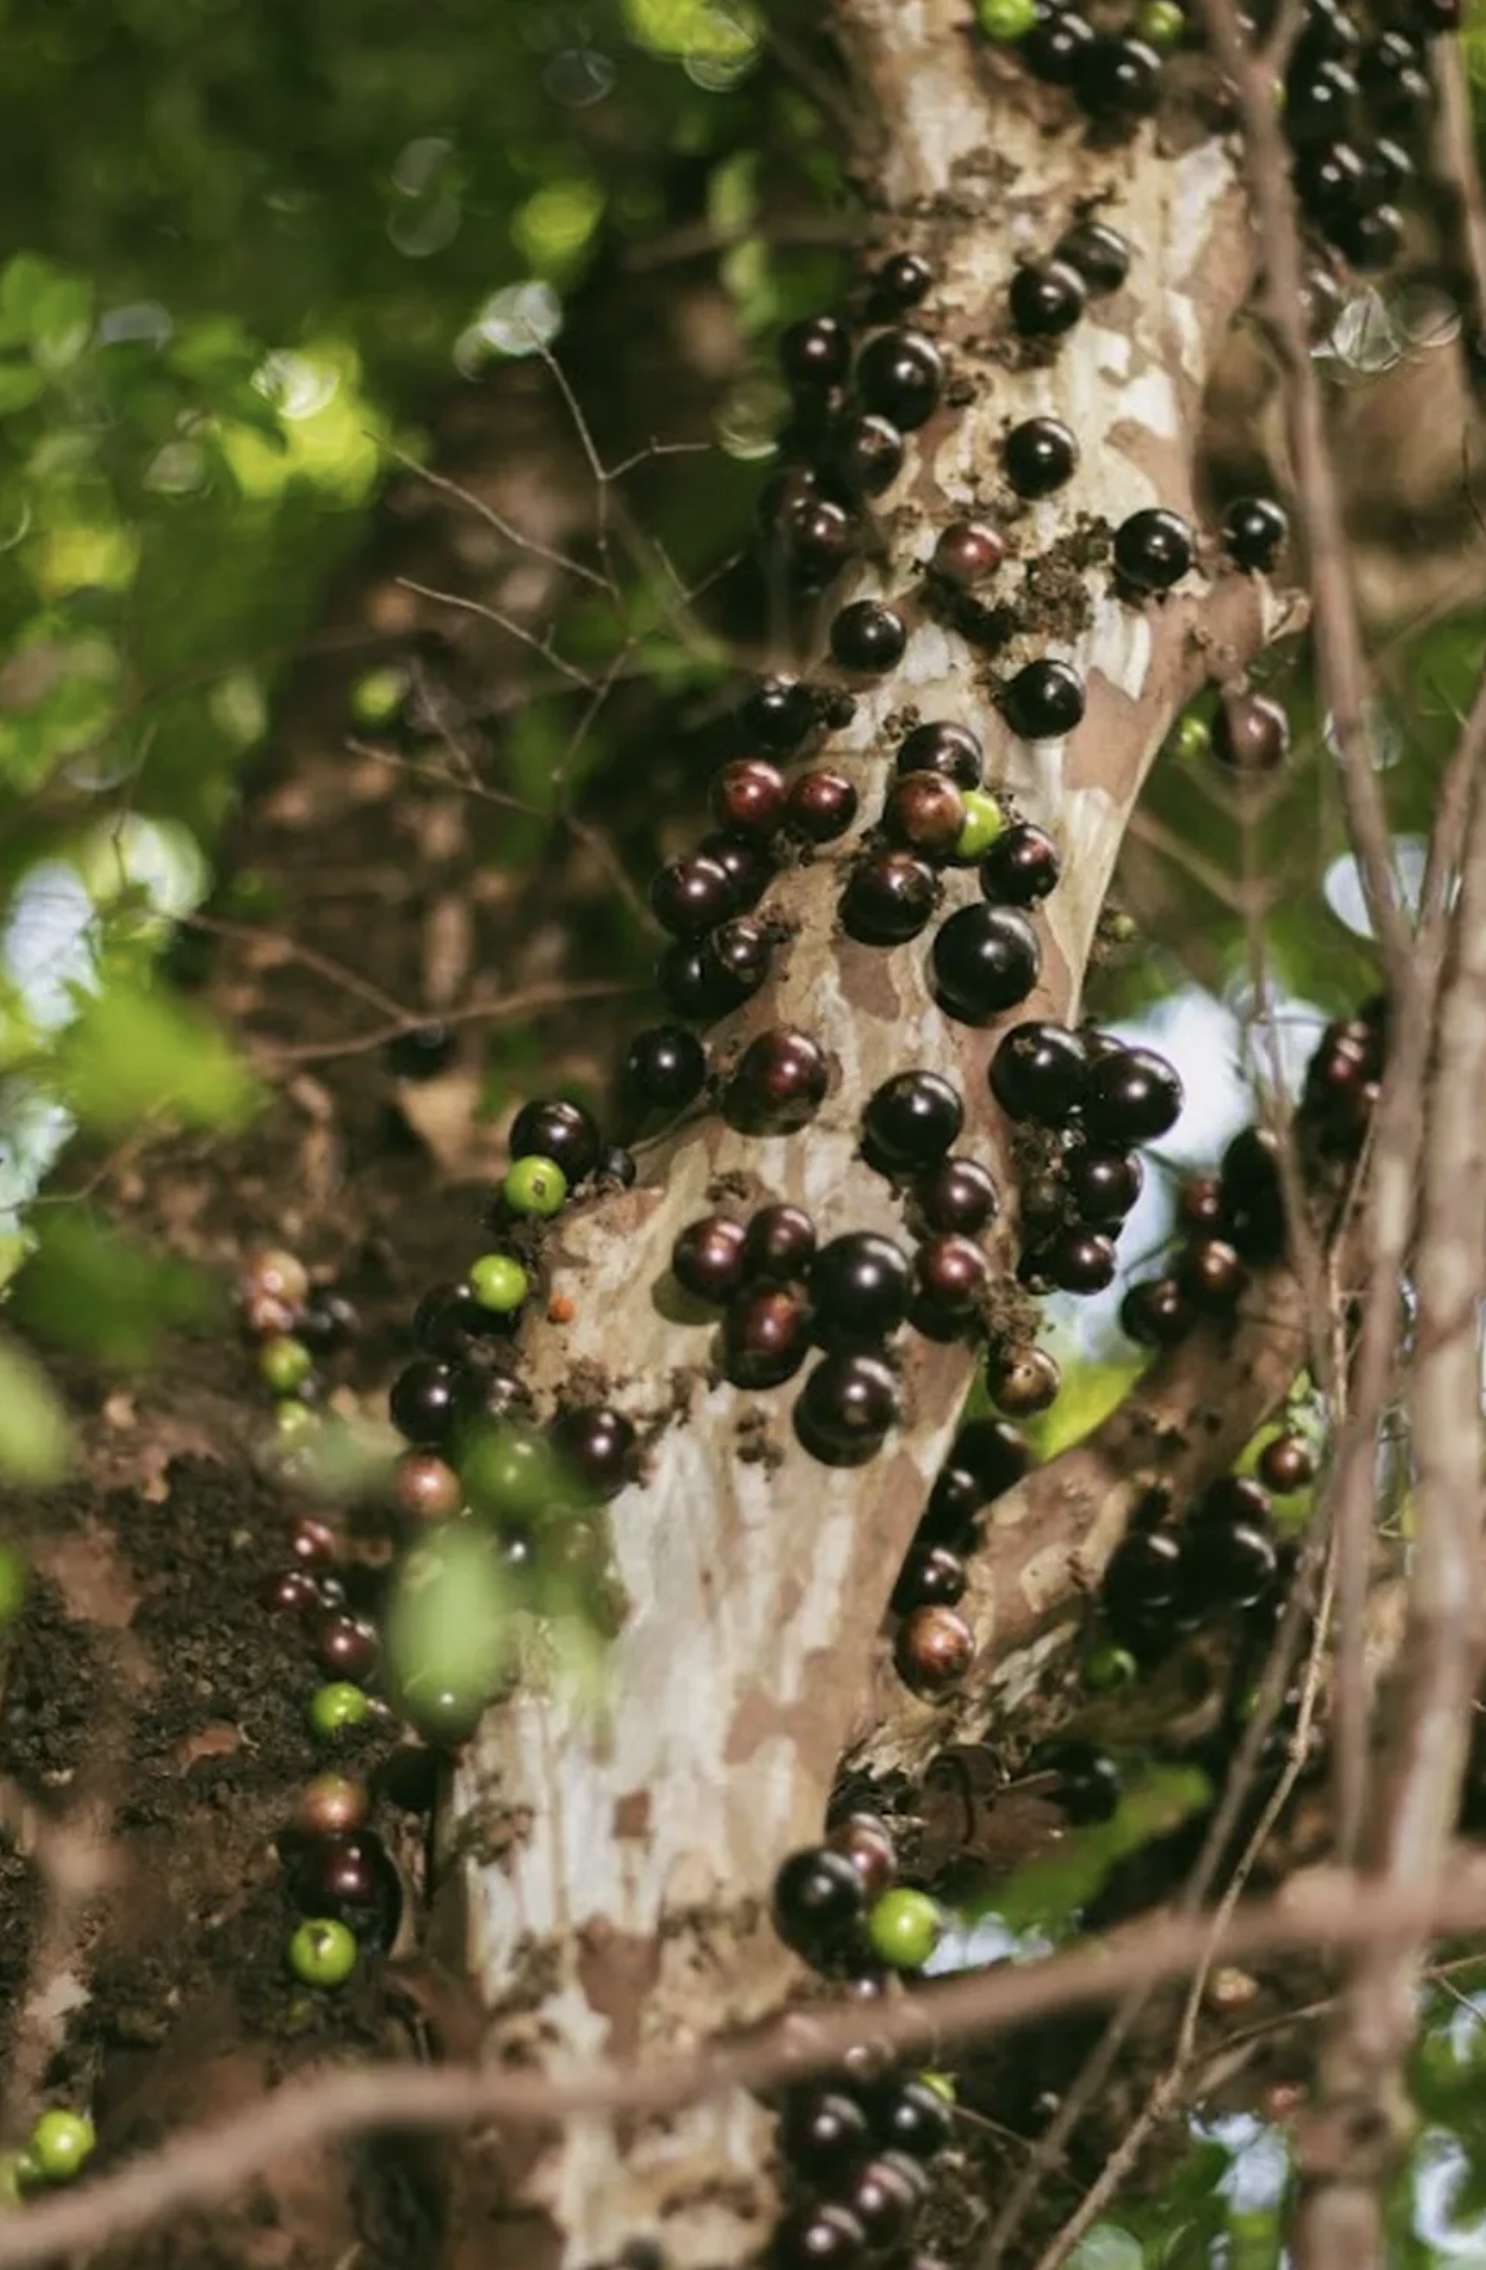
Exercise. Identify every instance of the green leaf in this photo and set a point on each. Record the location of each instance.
(134, 1055)
(87, 1286)
(34, 1443)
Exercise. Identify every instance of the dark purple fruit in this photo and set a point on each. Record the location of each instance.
(933, 1650)
(910, 2116)
(884, 2199)
(1153, 549)
(816, 538)
(422, 1403)
(1133, 1096)
(846, 1408)
(958, 1196)
(815, 353)
(823, 2134)
(425, 1487)
(1226, 1565)
(867, 452)
(1143, 1576)
(598, 1445)
(949, 1516)
(1254, 533)
(900, 375)
(1250, 734)
(665, 1068)
(557, 1130)
(1039, 455)
(1044, 700)
(942, 747)
(1046, 300)
(1157, 1313)
(1054, 48)
(821, 806)
(818, 2237)
(931, 1577)
(744, 861)
(1079, 1261)
(1039, 1072)
(888, 899)
(747, 796)
(1330, 177)
(1211, 1275)
(707, 1257)
(951, 1275)
(1023, 1382)
(348, 1646)
(1233, 1498)
(1287, 1465)
(1253, 1196)
(911, 1121)
(1104, 1185)
(1367, 237)
(903, 280)
(1099, 253)
(293, 1592)
(1393, 79)
(926, 812)
(1118, 78)
(1319, 101)
(818, 1902)
(1199, 1203)
(779, 1244)
(1021, 867)
(692, 894)
(994, 1451)
(869, 637)
(967, 553)
(867, 1842)
(860, 1284)
(779, 1084)
(985, 960)
(766, 1335)
(351, 1878)
(777, 714)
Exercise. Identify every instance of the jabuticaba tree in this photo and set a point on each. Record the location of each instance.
(753, 1330)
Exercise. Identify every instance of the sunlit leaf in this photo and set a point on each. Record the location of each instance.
(34, 1443)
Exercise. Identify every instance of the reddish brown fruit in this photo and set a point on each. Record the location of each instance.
(934, 1649)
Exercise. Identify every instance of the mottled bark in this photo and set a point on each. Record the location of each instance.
(626, 1887)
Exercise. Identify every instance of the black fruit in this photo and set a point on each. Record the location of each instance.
(1143, 1576)
(1287, 1465)
(665, 1068)
(1254, 533)
(1157, 1313)
(931, 1576)
(934, 1649)
(747, 796)
(823, 2133)
(868, 637)
(911, 2117)
(1044, 700)
(951, 1274)
(557, 1130)
(1153, 549)
(1054, 48)
(692, 894)
(779, 1083)
(1088, 1778)
(903, 280)
(1021, 867)
(765, 1336)
(423, 1403)
(818, 2237)
(967, 552)
(1023, 1382)
(1211, 1275)
(985, 959)
(777, 714)
(867, 452)
(861, 1285)
(815, 352)
(779, 1243)
(1118, 78)
(1046, 301)
(1104, 1185)
(1039, 1073)
(1099, 253)
(1133, 1096)
(821, 806)
(888, 898)
(1078, 1261)
(900, 375)
(1226, 1565)
(818, 1901)
(911, 1121)
(846, 1408)
(596, 1444)
(1250, 734)
(1039, 455)
(957, 1196)
(941, 747)
(707, 1258)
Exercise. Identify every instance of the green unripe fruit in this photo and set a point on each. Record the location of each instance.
(534, 1186)
(1109, 1668)
(13, 1580)
(337, 1706)
(377, 696)
(322, 1952)
(19, 2177)
(984, 821)
(59, 2145)
(1190, 739)
(499, 1282)
(285, 1364)
(509, 1473)
(1161, 23)
(1006, 20)
(904, 1928)
(293, 1421)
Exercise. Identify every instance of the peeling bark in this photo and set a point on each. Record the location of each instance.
(631, 1901)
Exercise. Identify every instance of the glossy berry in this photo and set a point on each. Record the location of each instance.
(926, 812)
(967, 553)
(1329, 179)
(904, 1927)
(1079, 1261)
(779, 1084)
(985, 960)
(422, 1403)
(903, 280)
(819, 2236)
(598, 1445)
(1040, 455)
(1250, 734)
(815, 353)
(1254, 533)
(348, 1646)
(1226, 1565)
(534, 1187)
(707, 1258)
(1133, 1096)
(747, 796)
(498, 1283)
(59, 2144)
(867, 1842)
(1253, 1195)
(335, 1708)
(293, 1592)
(1199, 1203)
(779, 1243)
(664, 1068)
(557, 1130)
(956, 1196)
(777, 714)
(823, 2133)
(1044, 700)
(911, 1121)
(331, 1805)
(351, 1877)
(889, 898)
(1319, 100)
(766, 1335)
(1046, 301)
(1157, 1313)
(860, 1284)
(1021, 867)
(933, 1650)
(818, 1901)
(692, 894)
(1118, 78)
(910, 2116)
(868, 637)
(942, 747)
(1053, 49)
(745, 862)
(1231, 1498)
(1388, 168)
(951, 1275)
(884, 2197)
(1211, 1275)
(1099, 253)
(1024, 1382)
(867, 452)
(1088, 1779)
(314, 1544)
(1286, 1465)
(1104, 1185)
(846, 1408)
(1039, 1073)
(994, 1451)
(900, 375)
(821, 806)
(322, 1952)
(1142, 1579)
(1394, 82)
(932, 1576)
(1108, 1668)
(1153, 549)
